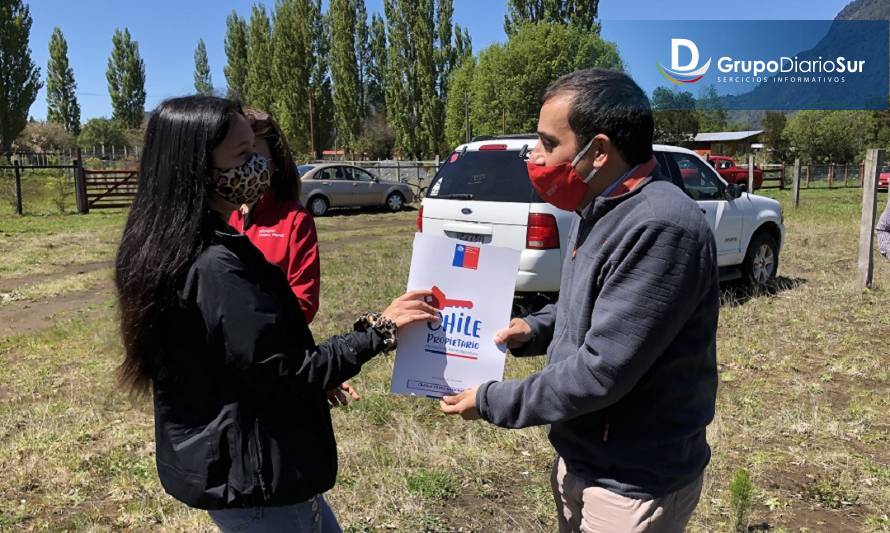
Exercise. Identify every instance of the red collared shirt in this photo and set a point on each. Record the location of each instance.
(285, 233)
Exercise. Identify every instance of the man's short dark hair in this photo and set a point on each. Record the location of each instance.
(608, 102)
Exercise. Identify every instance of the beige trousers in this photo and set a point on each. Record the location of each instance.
(584, 508)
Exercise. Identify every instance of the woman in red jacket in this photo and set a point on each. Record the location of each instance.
(282, 229)
(278, 224)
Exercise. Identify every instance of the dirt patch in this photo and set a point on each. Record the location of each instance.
(329, 246)
(355, 225)
(30, 316)
(826, 520)
(11, 284)
(815, 501)
(496, 503)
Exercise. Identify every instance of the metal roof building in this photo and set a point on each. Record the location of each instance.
(731, 143)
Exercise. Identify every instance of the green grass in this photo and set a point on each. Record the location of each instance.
(802, 407)
(44, 191)
(40, 244)
(433, 484)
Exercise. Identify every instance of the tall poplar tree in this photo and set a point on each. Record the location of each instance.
(580, 13)
(236, 55)
(258, 86)
(362, 54)
(401, 79)
(203, 82)
(126, 80)
(321, 102)
(344, 72)
(291, 49)
(429, 106)
(377, 65)
(19, 76)
(419, 60)
(61, 101)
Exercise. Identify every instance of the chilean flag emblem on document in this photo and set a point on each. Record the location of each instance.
(466, 256)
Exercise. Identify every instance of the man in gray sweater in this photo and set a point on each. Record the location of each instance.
(631, 376)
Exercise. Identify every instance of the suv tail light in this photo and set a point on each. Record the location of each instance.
(543, 233)
(486, 147)
(420, 220)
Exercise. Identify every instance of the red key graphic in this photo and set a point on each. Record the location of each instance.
(439, 301)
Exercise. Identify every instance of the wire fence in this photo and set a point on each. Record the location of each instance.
(826, 176)
(417, 174)
(94, 156)
(45, 183)
(37, 189)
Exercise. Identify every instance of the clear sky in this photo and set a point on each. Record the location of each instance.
(168, 30)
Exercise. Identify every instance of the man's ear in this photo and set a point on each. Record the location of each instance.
(599, 150)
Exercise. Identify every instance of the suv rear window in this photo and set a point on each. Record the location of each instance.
(487, 176)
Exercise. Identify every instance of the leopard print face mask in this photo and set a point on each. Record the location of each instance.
(244, 184)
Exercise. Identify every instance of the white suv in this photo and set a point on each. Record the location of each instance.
(482, 194)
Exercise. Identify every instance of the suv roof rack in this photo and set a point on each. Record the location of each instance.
(505, 137)
(518, 136)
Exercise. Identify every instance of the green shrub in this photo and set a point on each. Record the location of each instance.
(740, 493)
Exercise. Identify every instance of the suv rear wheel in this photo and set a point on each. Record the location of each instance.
(761, 261)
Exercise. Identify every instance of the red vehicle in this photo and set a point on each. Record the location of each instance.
(732, 173)
(884, 178)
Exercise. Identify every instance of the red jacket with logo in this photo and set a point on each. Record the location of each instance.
(285, 233)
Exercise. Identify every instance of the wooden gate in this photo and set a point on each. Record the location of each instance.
(108, 189)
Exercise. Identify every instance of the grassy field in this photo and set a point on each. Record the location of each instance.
(803, 403)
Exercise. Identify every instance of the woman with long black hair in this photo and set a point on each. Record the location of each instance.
(242, 425)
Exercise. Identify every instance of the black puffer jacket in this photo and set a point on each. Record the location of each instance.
(241, 417)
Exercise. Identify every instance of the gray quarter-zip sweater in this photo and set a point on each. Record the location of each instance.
(631, 377)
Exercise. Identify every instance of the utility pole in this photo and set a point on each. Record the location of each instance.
(311, 128)
(467, 116)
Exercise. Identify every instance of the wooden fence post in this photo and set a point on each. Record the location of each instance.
(873, 162)
(795, 183)
(750, 173)
(18, 188)
(846, 175)
(809, 168)
(830, 174)
(80, 186)
(782, 178)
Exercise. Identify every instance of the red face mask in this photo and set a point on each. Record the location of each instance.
(560, 185)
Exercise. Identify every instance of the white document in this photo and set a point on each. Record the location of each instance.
(473, 287)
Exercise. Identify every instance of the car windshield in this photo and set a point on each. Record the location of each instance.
(488, 176)
(303, 169)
